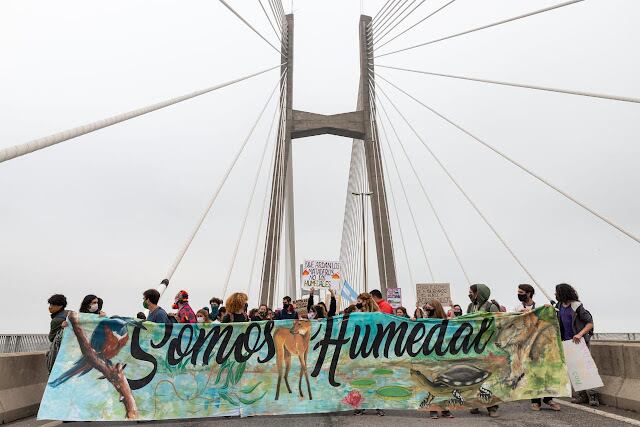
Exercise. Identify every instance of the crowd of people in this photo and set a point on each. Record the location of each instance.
(575, 321)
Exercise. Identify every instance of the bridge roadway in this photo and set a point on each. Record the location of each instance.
(514, 414)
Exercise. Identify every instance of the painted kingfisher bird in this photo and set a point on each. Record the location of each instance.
(108, 338)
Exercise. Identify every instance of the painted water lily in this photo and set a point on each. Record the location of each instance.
(354, 398)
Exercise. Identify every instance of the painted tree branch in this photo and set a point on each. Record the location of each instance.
(113, 373)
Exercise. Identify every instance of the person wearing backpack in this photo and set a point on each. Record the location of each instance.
(576, 324)
(479, 295)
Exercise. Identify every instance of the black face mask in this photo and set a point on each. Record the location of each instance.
(359, 306)
(430, 311)
(285, 306)
(472, 298)
(523, 297)
(457, 313)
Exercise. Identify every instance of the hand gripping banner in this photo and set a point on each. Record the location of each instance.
(113, 369)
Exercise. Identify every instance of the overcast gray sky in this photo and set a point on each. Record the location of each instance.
(106, 213)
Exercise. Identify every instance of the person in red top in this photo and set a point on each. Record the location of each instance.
(185, 312)
(385, 307)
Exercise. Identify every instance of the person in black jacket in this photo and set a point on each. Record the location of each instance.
(576, 323)
(332, 304)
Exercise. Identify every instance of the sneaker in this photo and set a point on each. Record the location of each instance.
(434, 415)
(358, 412)
(593, 400)
(380, 412)
(580, 398)
(554, 406)
(493, 414)
(536, 406)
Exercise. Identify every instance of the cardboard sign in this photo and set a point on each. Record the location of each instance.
(394, 297)
(438, 291)
(583, 371)
(300, 303)
(320, 274)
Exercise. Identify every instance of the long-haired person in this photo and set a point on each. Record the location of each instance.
(366, 304)
(91, 304)
(418, 314)
(576, 324)
(436, 311)
(236, 308)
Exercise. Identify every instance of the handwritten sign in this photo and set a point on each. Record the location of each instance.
(320, 274)
(583, 371)
(300, 303)
(394, 297)
(429, 291)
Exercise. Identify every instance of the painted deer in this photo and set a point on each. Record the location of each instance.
(294, 341)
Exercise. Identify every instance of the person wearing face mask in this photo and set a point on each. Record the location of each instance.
(288, 310)
(317, 312)
(91, 304)
(262, 314)
(525, 296)
(150, 299)
(215, 304)
(479, 295)
(202, 316)
(185, 313)
(457, 310)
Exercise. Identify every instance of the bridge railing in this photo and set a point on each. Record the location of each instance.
(621, 336)
(19, 343)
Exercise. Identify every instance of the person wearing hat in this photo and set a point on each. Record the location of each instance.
(185, 313)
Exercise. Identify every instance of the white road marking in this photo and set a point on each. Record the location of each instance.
(599, 412)
(52, 424)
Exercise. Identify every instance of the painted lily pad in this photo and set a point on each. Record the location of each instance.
(382, 371)
(394, 392)
(363, 383)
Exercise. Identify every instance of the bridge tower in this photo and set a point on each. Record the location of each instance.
(359, 125)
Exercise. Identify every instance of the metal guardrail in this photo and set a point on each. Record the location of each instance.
(622, 336)
(19, 343)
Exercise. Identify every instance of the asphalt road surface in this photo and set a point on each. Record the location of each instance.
(512, 415)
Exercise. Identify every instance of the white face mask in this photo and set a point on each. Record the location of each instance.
(311, 315)
(200, 319)
(93, 308)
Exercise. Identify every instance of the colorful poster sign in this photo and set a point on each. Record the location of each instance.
(394, 297)
(320, 275)
(113, 369)
(300, 303)
(583, 371)
(429, 291)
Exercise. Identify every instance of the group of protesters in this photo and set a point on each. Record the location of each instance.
(576, 323)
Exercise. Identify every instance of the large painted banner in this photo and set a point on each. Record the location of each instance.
(117, 368)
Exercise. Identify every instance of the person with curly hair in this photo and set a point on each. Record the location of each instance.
(236, 308)
(366, 304)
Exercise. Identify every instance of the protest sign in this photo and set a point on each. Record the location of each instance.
(429, 291)
(300, 303)
(117, 369)
(582, 369)
(394, 297)
(320, 274)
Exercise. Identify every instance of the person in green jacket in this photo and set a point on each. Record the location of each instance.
(479, 295)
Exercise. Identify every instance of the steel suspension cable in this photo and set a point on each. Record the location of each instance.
(276, 14)
(38, 144)
(385, 33)
(375, 26)
(266, 15)
(467, 197)
(381, 10)
(395, 210)
(400, 15)
(416, 24)
(248, 209)
(187, 244)
(248, 25)
(517, 164)
(428, 197)
(520, 85)
(484, 27)
(406, 199)
(384, 16)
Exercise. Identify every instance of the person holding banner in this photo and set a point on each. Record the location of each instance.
(384, 306)
(479, 295)
(288, 310)
(332, 304)
(576, 324)
(437, 312)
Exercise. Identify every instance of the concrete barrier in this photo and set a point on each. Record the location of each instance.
(23, 377)
(619, 366)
